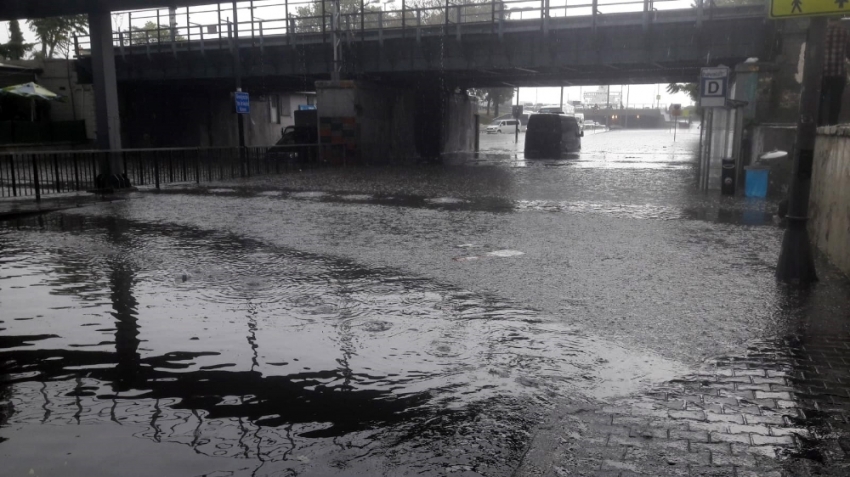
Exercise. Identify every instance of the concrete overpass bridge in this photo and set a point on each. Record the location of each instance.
(499, 43)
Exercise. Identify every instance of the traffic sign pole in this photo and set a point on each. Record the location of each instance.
(796, 264)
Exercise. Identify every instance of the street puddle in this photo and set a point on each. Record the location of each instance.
(284, 360)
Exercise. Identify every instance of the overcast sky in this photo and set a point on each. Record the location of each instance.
(270, 10)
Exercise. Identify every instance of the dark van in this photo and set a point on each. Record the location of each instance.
(551, 135)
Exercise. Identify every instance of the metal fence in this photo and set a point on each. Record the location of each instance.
(35, 174)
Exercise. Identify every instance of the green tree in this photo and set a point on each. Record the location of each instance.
(149, 33)
(431, 12)
(56, 32)
(494, 96)
(16, 48)
(692, 90)
(310, 16)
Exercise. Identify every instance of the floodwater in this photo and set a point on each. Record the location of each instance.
(395, 321)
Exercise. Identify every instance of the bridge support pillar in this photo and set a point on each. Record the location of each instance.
(107, 119)
(361, 121)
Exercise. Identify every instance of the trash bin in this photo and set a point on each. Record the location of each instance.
(755, 181)
(727, 176)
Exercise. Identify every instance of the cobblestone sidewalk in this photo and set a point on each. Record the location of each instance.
(780, 409)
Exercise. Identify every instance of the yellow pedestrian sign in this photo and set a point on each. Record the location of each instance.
(808, 8)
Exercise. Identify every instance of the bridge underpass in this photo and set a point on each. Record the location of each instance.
(414, 65)
(183, 81)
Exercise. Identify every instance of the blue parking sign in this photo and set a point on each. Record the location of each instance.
(243, 103)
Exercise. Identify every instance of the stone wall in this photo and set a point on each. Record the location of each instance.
(829, 226)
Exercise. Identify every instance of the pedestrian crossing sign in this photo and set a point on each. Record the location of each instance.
(808, 8)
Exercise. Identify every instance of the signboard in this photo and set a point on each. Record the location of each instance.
(306, 107)
(517, 111)
(243, 103)
(713, 87)
(675, 110)
(807, 8)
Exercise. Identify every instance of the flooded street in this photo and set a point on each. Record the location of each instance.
(433, 319)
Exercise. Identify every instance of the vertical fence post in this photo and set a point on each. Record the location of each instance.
(12, 173)
(198, 165)
(492, 16)
(446, 15)
(595, 6)
(35, 178)
(156, 169)
(121, 43)
(76, 172)
(700, 10)
(170, 166)
(56, 181)
(459, 18)
(502, 21)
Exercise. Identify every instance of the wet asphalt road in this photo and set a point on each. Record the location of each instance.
(423, 319)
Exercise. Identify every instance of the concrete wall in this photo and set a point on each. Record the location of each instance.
(396, 124)
(829, 226)
(168, 116)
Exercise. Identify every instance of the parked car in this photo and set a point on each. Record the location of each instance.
(502, 126)
(551, 136)
(523, 119)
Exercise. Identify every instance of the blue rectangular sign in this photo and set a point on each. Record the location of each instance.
(243, 103)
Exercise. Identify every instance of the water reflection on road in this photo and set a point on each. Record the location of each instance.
(282, 358)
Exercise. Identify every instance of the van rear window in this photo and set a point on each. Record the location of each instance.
(542, 121)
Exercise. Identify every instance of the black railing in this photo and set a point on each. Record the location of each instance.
(212, 27)
(35, 174)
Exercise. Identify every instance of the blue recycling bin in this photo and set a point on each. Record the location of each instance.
(755, 182)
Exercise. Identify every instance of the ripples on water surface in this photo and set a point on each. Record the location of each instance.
(274, 361)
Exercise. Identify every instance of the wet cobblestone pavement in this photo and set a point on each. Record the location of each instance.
(780, 409)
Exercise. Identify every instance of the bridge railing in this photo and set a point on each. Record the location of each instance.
(258, 21)
(39, 173)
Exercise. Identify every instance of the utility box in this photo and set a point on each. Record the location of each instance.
(755, 181)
